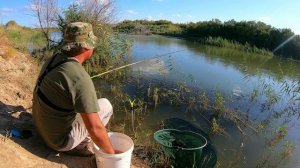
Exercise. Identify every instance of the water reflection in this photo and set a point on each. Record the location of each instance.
(246, 62)
(153, 66)
(261, 90)
(222, 69)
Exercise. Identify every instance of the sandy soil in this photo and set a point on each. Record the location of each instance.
(17, 79)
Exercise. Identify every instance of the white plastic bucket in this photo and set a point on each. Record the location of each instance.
(119, 142)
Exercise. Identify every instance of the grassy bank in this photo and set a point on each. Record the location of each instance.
(246, 48)
(251, 36)
(22, 38)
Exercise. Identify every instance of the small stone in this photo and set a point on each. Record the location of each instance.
(19, 94)
(16, 114)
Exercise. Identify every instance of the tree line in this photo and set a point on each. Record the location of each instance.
(250, 33)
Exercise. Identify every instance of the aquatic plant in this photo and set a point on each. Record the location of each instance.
(216, 128)
(191, 104)
(288, 150)
(219, 103)
(155, 97)
(132, 113)
(279, 134)
(204, 101)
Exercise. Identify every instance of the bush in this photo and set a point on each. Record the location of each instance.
(111, 48)
(221, 42)
(11, 24)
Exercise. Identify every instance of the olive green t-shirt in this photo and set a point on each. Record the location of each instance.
(69, 87)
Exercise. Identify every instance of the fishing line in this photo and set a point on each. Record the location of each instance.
(127, 65)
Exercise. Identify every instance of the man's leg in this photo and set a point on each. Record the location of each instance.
(78, 137)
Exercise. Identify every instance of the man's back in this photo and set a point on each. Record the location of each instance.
(64, 90)
(67, 86)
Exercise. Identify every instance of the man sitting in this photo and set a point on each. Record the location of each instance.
(66, 110)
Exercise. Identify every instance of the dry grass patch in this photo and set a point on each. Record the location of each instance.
(9, 53)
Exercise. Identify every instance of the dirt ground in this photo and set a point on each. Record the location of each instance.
(17, 79)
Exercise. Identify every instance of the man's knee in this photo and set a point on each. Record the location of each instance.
(105, 106)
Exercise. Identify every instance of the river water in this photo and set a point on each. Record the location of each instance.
(247, 81)
(260, 87)
(263, 88)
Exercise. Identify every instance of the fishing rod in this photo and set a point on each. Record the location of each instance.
(127, 65)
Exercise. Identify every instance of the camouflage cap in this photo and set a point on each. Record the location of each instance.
(79, 35)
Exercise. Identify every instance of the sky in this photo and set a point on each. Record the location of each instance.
(278, 13)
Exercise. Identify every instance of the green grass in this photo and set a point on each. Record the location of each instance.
(110, 53)
(224, 43)
(22, 37)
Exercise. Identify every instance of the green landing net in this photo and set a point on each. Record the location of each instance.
(186, 148)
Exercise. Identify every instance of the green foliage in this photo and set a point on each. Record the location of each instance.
(74, 14)
(221, 42)
(111, 47)
(148, 27)
(219, 102)
(22, 38)
(249, 36)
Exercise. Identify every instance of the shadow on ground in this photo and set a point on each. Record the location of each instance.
(19, 117)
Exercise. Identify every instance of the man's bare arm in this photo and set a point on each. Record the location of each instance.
(97, 131)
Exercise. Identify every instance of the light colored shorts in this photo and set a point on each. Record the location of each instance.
(79, 135)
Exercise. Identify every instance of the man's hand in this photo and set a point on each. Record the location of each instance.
(97, 132)
(118, 151)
